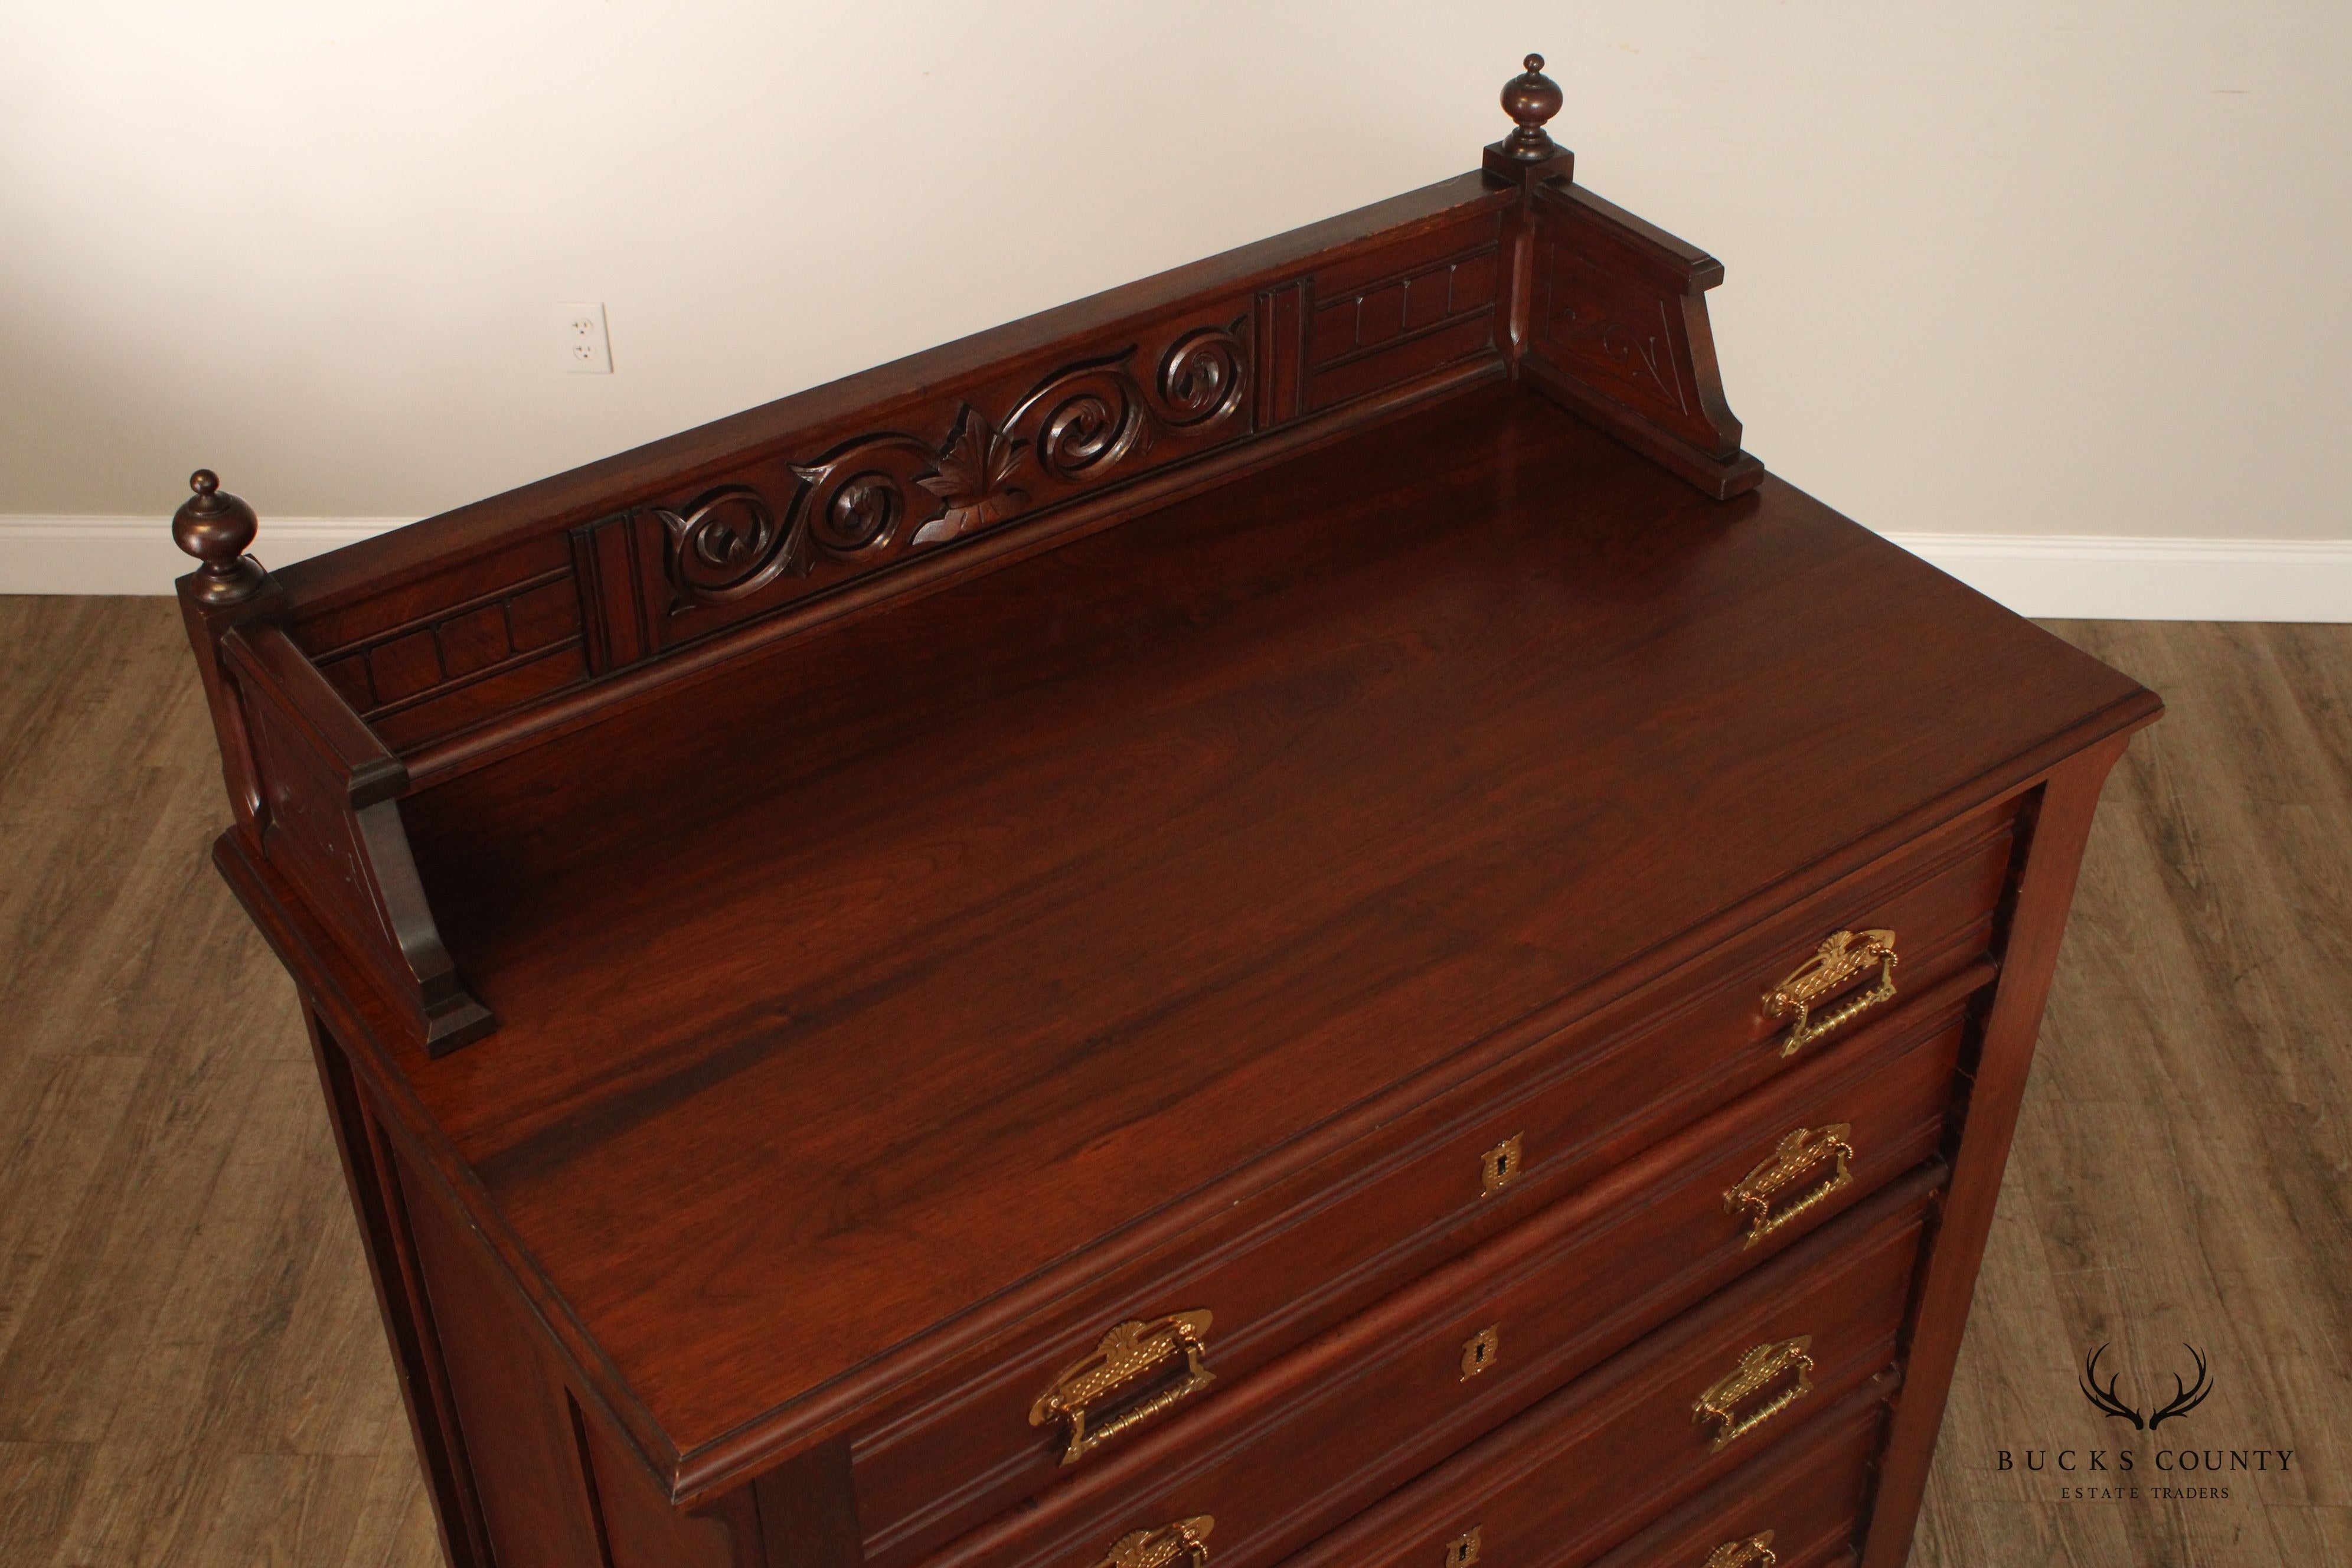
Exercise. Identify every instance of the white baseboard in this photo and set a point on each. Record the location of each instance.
(2091, 577)
(2058, 576)
(136, 555)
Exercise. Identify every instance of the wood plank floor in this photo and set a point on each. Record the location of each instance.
(2183, 1170)
(191, 1371)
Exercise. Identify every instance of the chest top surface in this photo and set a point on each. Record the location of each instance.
(917, 964)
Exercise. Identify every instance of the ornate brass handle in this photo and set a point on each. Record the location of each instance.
(1158, 1547)
(1755, 1551)
(1761, 1367)
(1800, 1154)
(1842, 955)
(1125, 1354)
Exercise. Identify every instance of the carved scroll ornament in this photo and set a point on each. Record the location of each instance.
(1084, 426)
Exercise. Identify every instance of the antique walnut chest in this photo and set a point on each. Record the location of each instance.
(1289, 915)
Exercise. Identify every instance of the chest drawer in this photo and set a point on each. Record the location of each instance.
(1328, 1429)
(1738, 1377)
(1297, 1260)
(1800, 1501)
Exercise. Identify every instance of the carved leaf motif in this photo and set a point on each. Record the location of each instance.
(973, 479)
(976, 463)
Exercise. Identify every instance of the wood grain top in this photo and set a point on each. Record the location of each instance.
(905, 975)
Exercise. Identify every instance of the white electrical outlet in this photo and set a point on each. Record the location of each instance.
(586, 349)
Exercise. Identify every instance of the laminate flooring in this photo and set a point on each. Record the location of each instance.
(192, 1373)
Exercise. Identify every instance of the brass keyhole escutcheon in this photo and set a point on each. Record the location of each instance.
(1479, 1350)
(1463, 1550)
(1500, 1166)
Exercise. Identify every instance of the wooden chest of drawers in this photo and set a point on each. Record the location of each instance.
(1286, 916)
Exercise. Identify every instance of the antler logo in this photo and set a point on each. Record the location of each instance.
(2186, 1398)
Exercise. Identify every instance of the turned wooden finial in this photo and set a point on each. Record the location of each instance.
(1531, 98)
(214, 527)
(1528, 153)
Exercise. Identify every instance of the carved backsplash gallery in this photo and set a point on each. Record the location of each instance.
(792, 528)
(796, 518)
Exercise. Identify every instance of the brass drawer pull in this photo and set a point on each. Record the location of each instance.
(1800, 1154)
(1842, 955)
(1762, 1367)
(1158, 1547)
(1755, 1551)
(1125, 1354)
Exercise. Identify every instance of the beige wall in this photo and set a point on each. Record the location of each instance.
(2019, 267)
